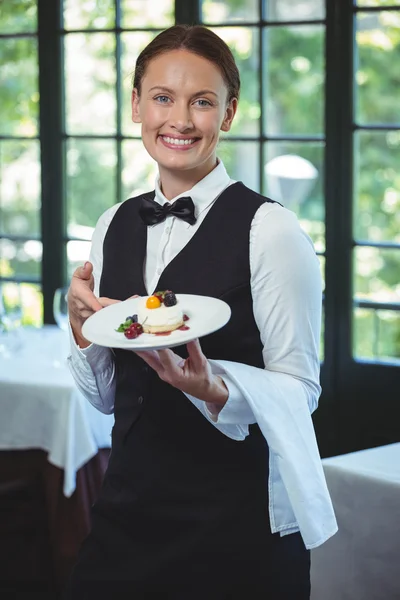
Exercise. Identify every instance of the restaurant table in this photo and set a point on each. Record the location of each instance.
(362, 561)
(49, 429)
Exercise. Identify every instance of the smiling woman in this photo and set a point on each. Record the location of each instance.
(183, 98)
(214, 459)
(184, 113)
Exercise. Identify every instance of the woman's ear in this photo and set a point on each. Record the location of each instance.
(229, 114)
(135, 107)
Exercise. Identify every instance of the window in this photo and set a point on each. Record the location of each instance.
(318, 128)
(105, 159)
(20, 187)
(277, 143)
(376, 199)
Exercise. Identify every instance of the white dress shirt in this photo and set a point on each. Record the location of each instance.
(287, 297)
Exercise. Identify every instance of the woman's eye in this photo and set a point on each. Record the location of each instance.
(203, 103)
(162, 99)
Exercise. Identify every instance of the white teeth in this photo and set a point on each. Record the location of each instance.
(177, 142)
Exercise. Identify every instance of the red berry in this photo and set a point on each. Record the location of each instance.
(133, 331)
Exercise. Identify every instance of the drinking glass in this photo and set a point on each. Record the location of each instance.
(10, 317)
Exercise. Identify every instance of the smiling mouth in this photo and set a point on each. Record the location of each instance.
(179, 143)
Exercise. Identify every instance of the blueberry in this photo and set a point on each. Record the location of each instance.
(133, 318)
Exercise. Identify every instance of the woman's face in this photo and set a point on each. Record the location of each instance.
(182, 108)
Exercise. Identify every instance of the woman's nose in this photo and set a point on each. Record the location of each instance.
(180, 117)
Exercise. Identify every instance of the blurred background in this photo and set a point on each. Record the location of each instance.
(318, 128)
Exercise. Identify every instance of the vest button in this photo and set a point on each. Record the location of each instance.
(140, 400)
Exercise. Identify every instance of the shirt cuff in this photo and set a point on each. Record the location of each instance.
(236, 410)
(97, 357)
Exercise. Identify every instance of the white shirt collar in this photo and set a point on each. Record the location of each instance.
(204, 192)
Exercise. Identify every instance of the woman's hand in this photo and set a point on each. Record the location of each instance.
(193, 375)
(82, 302)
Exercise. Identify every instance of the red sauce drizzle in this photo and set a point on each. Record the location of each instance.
(182, 328)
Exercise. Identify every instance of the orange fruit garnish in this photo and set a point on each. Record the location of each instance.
(153, 302)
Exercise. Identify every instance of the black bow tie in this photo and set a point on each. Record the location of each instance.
(152, 212)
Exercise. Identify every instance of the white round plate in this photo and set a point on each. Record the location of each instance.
(206, 315)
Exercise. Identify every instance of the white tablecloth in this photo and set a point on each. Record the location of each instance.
(40, 406)
(362, 561)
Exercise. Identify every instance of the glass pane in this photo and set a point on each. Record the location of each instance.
(293, 10)
(20, 259)
(244, 43)
(294, 76)
(376, 334)
(364, 341)
(377, 186)
(19, 96)
(241, 160)
(32, 304)
(20, 187)
(378, 2)
(28, 297)
(18, 16)
(89, 14)
(91, 183)
(294, 176)
(77, 254)
(147, 13)
(90, 81)
(132, 44)
(377, 75)
(229, 11)
(139, 169)
(376, 274)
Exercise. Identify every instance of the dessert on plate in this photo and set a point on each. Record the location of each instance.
(159, 313)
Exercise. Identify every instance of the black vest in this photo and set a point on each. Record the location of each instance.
(169, 466)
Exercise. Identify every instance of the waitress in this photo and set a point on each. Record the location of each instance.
(214, 488)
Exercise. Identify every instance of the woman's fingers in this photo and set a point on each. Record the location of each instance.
(103, 301)
(167, 364)
(108, 301)
(197, 358)
(172, 364)
(192, 375)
